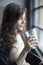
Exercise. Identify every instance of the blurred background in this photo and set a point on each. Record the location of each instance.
(34, 17)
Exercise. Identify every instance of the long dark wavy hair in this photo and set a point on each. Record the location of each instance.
(11, 14)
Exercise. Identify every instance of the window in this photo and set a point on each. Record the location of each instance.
(35, 18)
(38, 21)
(41, 25)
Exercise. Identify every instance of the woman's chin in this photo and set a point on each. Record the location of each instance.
(20, 30)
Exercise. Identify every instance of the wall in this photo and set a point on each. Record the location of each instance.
(4, 2)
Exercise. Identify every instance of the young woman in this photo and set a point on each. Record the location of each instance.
(13, 48)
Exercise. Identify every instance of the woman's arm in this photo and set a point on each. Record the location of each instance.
(23, 54)
(22, 57)
(27, 49)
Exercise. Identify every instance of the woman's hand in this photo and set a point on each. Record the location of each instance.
(31, 43)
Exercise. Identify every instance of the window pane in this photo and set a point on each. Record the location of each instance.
(41, 25)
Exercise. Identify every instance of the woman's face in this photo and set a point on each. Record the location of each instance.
(21, 23)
